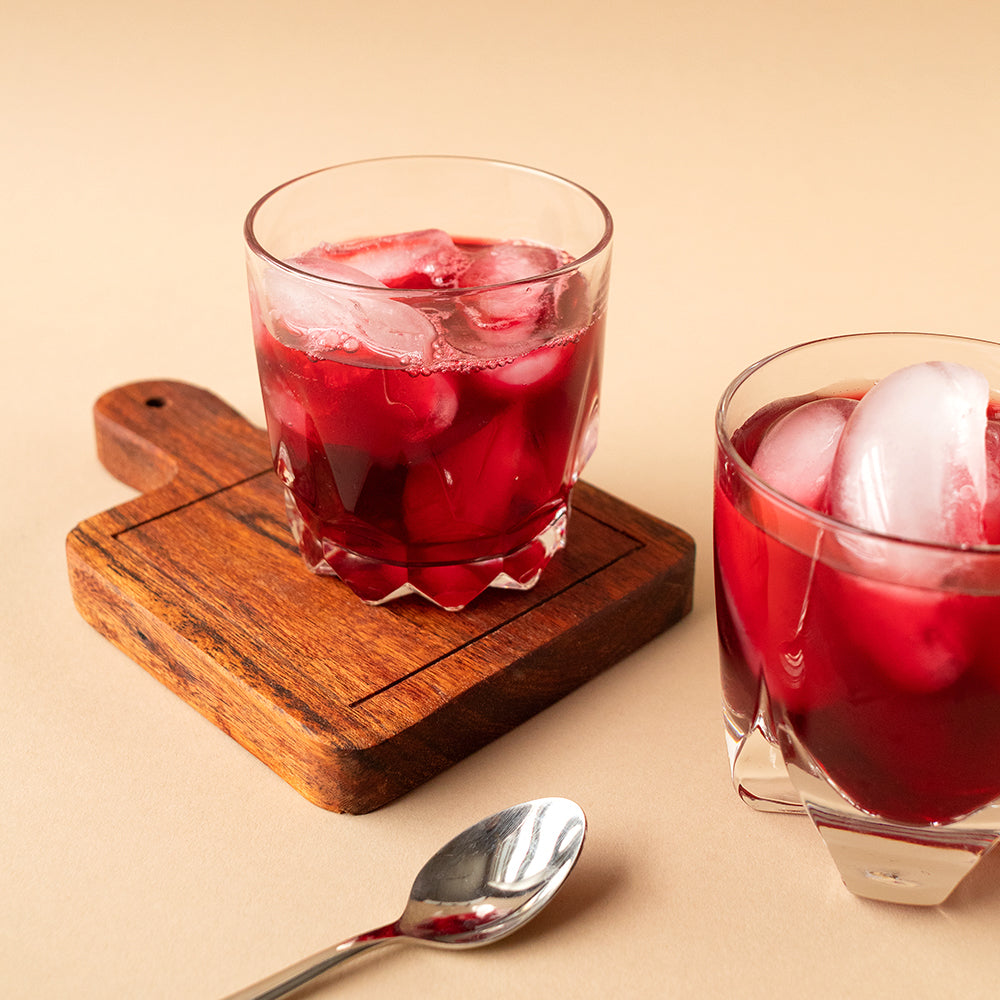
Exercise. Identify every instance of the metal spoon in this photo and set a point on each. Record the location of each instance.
(479, 887)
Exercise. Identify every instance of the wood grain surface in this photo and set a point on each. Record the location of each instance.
(198, 580)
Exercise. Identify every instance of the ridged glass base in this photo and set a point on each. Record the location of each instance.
(450, 586)
(891, 861)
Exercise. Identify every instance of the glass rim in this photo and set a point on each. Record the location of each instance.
(825, 521)
(257, 248)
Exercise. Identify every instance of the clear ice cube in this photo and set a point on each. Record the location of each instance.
(912, 457)
(384, 413)
(991, 513)
(480, 485)
(537, 370)
(323, 318)
(500, 263)
(510, 314)
(325, 267)
(426, 257)
(795, 456)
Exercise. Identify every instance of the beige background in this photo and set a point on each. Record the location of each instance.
(777, 171)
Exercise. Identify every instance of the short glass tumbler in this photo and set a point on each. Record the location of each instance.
(860, 671)
(429, 334)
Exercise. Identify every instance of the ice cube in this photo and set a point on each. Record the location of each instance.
(418, 407)
(500, 263)
(322, 317)
(922, 639)
(912, 458)
(480, 486)
(426, 258)
(795, 456)
(510, 314)
(383, 413)
(991, 513)
(325, 267)
(538, 369)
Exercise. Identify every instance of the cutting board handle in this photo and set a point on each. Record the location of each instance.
(150, 434)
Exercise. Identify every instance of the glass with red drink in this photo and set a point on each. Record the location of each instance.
(857, 559)
(429, 334)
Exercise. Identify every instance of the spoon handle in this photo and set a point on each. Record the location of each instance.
(308, 969)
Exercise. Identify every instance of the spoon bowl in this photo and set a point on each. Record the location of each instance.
(481, 886)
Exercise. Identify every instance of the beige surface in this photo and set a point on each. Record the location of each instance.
(777, 171)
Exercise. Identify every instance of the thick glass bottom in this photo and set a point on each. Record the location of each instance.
(877, 858)
(451, 586)
(895, 862)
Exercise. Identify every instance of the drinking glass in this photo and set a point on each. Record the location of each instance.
(429, 334)
(860, 671)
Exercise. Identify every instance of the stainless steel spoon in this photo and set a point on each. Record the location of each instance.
(478, 888)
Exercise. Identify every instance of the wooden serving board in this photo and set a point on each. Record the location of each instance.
(198, 580)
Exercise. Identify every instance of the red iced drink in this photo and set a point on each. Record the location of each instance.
(878, 656)
(430, 403)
